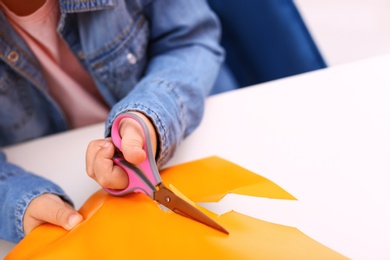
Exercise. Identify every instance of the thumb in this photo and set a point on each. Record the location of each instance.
(49, 208)
(132, 141)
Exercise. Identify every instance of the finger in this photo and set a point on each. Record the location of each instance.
(132, 141)
(106, 172)
(90, 155)
(49, 208)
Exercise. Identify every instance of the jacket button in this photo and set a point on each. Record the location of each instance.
(13, 56)
(131, 58)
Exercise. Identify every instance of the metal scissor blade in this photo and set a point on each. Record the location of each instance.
(170, 200)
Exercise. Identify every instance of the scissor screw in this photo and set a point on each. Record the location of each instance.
(167, 199)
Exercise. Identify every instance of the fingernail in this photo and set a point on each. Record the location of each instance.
(73, 221)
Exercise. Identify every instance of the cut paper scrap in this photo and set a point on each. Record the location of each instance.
(134, 227)
(209, 180)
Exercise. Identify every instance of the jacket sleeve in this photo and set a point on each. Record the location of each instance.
(185, 58)
(17, 189)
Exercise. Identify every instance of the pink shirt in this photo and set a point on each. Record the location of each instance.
(69, 83)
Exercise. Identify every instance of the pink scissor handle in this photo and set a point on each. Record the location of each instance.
(138, 182)
(143, 177)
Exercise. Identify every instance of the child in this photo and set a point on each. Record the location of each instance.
(67, 64)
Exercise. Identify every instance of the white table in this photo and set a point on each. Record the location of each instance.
(323, 136)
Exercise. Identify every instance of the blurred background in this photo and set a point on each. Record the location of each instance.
(266, 40)
(348, 30)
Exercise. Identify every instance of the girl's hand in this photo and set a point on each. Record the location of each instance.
(49, 208)
(99, 164)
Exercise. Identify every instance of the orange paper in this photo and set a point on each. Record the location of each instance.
(134, 227)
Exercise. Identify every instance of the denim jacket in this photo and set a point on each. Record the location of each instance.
(160, 57)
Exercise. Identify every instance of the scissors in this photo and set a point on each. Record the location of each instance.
(145, 178)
